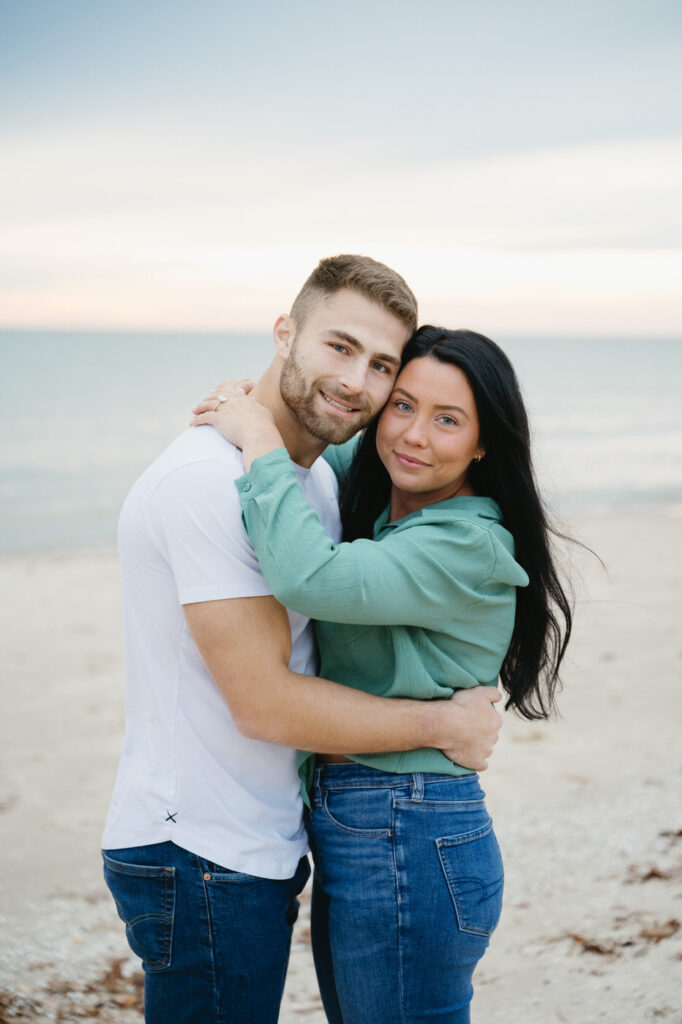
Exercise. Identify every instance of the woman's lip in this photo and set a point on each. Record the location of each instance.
(407, 460)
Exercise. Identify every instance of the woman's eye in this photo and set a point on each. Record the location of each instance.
(448, 421)
(402, 406)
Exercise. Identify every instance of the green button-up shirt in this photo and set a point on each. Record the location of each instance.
(424, 608)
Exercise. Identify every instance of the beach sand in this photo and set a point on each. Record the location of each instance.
(587, 809)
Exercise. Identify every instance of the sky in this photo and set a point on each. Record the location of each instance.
(179, 166)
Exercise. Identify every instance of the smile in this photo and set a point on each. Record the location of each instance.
(341, 406)
(409, 461)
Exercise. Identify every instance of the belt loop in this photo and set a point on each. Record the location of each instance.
(417, 787)
(317, 789)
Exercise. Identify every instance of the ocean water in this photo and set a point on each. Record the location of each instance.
(82, 414)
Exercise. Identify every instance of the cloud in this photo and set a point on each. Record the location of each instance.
(123, 229)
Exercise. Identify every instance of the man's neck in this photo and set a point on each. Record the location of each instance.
(302, 446)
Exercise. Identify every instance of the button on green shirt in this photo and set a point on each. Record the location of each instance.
(424, 608)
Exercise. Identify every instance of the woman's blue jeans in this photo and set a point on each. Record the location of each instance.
(407, 891)
(214, 943)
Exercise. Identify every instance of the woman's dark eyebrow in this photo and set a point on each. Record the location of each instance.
(385, 357)
(457, 408)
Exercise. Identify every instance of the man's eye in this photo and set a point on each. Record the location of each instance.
(338, 347)
(381, 367)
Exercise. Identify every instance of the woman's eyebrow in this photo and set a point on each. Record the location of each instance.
(406, 393)
(457, 408)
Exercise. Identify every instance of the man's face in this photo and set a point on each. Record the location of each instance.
(341, 365)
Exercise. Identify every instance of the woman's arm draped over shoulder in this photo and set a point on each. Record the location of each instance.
(419, 576)
(340, 457)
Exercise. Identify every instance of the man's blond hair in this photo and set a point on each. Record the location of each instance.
(374, 280)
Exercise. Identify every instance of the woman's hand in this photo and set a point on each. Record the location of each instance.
(231, 386)
(241, 420)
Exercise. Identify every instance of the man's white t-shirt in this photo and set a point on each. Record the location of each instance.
(186, 773)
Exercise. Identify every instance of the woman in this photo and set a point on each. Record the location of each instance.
(456, 587)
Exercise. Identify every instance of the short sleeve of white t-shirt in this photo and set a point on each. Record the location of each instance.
(195, 517)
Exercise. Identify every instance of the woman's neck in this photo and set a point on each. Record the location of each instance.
(403, 503)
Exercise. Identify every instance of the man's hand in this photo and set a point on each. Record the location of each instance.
(475, 726)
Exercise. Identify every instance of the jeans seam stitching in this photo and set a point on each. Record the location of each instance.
(449, 804)
(398, 907)
(142, 870)
(466, 837)
(329, 786)
(169, 898)
(152, 916)
(399, 783)
(207, 905)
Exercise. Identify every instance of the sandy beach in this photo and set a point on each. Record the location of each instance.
(587, 809)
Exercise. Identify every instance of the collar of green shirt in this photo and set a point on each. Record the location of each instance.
(441, 511)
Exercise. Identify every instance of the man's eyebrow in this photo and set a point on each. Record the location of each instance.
(457, 408)
(384, 357)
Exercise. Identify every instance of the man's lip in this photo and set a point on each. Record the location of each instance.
(409, 460)
(345, 406)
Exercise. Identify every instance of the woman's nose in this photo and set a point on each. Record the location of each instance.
(416, 434)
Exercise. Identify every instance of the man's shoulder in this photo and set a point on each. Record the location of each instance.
(198, 444)
(198, 451)
(194, 477)
(186, 500)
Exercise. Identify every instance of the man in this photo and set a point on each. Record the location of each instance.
(204, 846)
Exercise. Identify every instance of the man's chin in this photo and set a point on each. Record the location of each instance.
(334, 431)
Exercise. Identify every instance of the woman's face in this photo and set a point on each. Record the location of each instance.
(428, 433)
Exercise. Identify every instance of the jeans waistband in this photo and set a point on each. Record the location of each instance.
(361, 776)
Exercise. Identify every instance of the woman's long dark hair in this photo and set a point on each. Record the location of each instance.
(542, 627)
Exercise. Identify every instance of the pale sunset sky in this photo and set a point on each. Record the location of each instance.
(182, 166)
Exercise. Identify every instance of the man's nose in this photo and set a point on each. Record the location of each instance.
(354, 376)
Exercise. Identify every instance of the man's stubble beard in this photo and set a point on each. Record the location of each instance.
(299, 399)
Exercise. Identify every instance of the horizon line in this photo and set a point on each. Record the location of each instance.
(534, 334)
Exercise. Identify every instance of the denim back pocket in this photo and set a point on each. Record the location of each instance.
(473, 869)
(145, 901)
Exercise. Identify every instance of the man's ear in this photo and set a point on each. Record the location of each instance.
(283, 333)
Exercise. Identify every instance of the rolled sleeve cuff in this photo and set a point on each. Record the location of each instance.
(265, 470)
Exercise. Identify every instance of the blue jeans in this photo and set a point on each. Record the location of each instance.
(407, 891)
(214, 943)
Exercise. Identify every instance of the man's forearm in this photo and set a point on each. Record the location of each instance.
(270, 702)
(316, 714)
